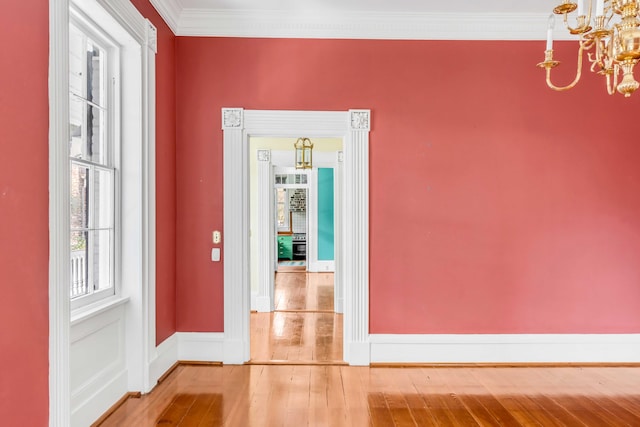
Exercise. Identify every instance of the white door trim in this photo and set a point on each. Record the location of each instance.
(353, 127)
(266, 236)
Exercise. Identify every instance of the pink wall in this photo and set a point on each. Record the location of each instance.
(24, 232)
(496, 204)
(165, 174)
(24, 205)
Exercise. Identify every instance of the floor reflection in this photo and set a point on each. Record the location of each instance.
(193, 410)
(304, 328)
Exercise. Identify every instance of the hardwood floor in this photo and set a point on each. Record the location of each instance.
(304, 327)
(302, 391)
(307, 395)
(302, 291)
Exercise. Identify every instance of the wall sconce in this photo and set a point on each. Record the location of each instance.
(304, 149)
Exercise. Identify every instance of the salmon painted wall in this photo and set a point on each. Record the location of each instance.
(496, 204)
(24, 214)
(165, 174)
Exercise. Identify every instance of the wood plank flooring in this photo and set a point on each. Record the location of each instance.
(309, 387)
(308, 395)
(304, 327)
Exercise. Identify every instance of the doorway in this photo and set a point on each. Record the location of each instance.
(352, 268)
(300, 323)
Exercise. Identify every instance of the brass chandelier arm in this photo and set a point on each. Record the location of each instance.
(583, 23)
(614, 36)
(611, 88)
(574, 82)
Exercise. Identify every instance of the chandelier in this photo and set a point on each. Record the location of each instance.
(611, 39)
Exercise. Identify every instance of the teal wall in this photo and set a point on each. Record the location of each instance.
(325, 215)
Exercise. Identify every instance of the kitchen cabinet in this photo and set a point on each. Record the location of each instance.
(285, 247)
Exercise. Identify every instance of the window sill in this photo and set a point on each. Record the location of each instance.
(84, 313)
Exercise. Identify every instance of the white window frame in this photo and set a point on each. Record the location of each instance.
(137, 275)
(104, 41)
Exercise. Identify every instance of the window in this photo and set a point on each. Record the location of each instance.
(285, 180)
(282, 208)
(92, 166)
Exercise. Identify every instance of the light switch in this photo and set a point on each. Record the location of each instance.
(215, 254)
(216, 237)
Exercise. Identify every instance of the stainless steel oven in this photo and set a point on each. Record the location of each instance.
(299, 245)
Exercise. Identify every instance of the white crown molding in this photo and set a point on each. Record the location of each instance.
(353, 25)
(170, 11)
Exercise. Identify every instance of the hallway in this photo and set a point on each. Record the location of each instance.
(303, 329)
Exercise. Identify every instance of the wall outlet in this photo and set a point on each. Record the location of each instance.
(217, 237)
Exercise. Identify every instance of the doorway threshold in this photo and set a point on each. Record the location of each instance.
(298, 362)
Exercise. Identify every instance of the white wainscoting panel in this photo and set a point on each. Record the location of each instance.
(533, 348)
(98, 374)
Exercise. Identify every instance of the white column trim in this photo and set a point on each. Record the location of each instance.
(338, 279)
(264, 299)
(312, 220)
(237, 293)
(356, 244)
(353, 127)
(148, 318)
(59, 304)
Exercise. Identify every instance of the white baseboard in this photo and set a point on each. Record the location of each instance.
(200, 346)
(86, 409)
(166, 356)
(533, 348)
(321, 267)
(254, 298)
(358, 353)
(263, 304)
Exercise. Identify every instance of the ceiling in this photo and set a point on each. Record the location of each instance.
(375, 19)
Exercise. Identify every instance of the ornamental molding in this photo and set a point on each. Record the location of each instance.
(170, 11)
(360, 119)
(264, 155)
(354, 24)
(340, 156)
(152, 37)
(232, 118)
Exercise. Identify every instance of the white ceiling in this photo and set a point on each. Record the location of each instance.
(376, 19)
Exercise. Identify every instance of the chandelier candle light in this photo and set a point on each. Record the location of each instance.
(613, 37)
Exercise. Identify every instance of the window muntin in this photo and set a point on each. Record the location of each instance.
(92, 167)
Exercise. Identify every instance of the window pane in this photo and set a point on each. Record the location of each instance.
(76, 61)
(95, 73)
(102, 198)
(79, 208)
(100, 259)
(95, 135)
(79, 264)
(76, 125)
(86, 131)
